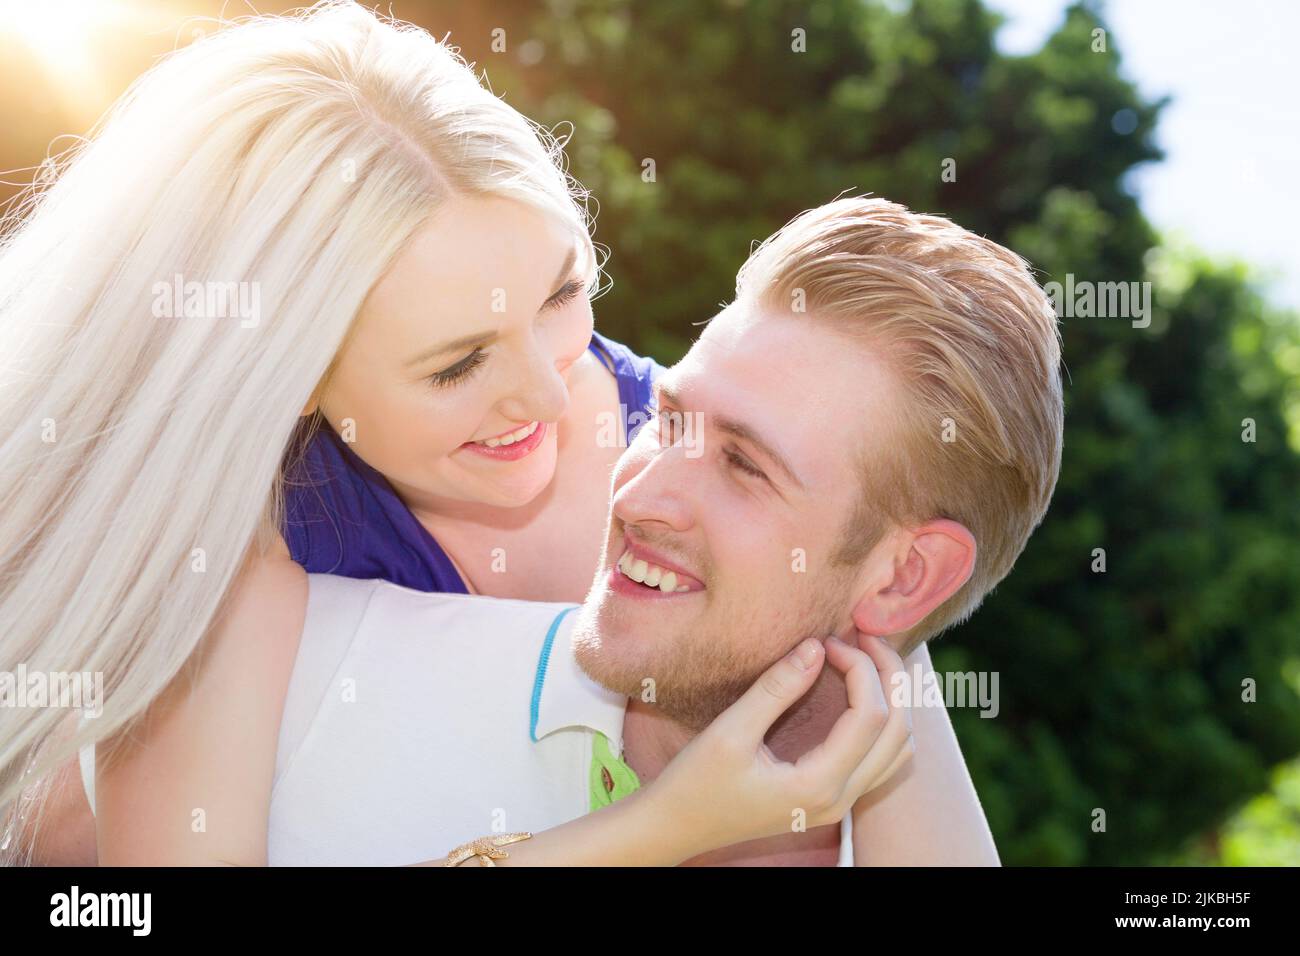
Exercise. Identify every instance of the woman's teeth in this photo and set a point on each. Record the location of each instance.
(519, 434)
(651, 575)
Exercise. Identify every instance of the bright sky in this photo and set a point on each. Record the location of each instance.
(1231, 135)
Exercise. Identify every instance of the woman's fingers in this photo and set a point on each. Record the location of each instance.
(892, 672)
(894, 746)
(888, 663)
(866, 745)
(892, 750)
(905, 753)
(750, 718)
(877, 737)
(854, 734)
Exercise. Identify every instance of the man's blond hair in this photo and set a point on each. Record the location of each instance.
(972, 346)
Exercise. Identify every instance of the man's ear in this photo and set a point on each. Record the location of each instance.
(929, 565)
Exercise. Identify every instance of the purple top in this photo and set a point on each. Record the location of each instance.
(343, 517)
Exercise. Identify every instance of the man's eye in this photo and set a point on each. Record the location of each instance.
(742, 463)
(461, 370)
(667, 423)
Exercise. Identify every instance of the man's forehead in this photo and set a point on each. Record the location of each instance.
(753, 350)
(793, 378)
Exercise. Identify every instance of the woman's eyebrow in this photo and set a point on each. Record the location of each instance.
(473, 340)
(476, 339)
(563, 275)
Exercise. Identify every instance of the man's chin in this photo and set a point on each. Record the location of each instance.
(656, 668)
(601, 648)
(611, 620)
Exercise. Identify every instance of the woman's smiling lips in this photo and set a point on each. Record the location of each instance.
(512, 445)
(642, 573)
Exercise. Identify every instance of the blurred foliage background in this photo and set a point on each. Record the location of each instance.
(1127, 690)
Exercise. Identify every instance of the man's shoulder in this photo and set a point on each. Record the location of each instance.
(469, 627)
(428, 701)
(376, 595)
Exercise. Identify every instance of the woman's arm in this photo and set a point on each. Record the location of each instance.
(192, 784)
(632, 832)
(928, 814)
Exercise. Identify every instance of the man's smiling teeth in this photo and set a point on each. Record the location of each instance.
(518, 434)
(651, 575)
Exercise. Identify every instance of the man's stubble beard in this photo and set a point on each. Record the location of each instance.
(693, 677)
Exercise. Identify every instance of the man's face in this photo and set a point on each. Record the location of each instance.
(740, 491)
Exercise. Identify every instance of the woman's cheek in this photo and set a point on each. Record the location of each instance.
(577, 334)
(449, 420)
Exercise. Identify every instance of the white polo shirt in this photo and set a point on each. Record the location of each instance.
(416, 721)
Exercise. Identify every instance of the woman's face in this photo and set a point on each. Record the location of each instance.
(457, 370)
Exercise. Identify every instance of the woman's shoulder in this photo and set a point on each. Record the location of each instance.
(342, 517)
(624, 363)
(226, 705)
(262, 619)
(634, 378)
(249, 650)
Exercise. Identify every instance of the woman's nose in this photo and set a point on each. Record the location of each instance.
(539, 393)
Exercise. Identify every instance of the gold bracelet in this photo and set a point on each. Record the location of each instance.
(486, 848)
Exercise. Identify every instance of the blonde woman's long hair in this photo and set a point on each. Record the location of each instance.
(141, 456)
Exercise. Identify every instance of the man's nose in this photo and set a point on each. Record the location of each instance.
(654, 486)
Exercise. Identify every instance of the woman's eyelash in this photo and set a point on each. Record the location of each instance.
(450, 376)
(566, 294)
(462, 369)
(742, 464)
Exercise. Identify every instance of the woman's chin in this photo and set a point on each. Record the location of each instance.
(518, 483)
(513, 497)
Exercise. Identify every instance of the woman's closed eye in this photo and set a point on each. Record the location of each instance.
(466, 366)
(564, 294)
(460, 371)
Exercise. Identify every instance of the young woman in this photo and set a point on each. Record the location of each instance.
(406, 386)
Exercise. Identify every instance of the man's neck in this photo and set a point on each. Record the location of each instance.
(651, 739)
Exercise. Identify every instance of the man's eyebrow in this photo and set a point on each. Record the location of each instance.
(737, 429)
(479, 339)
